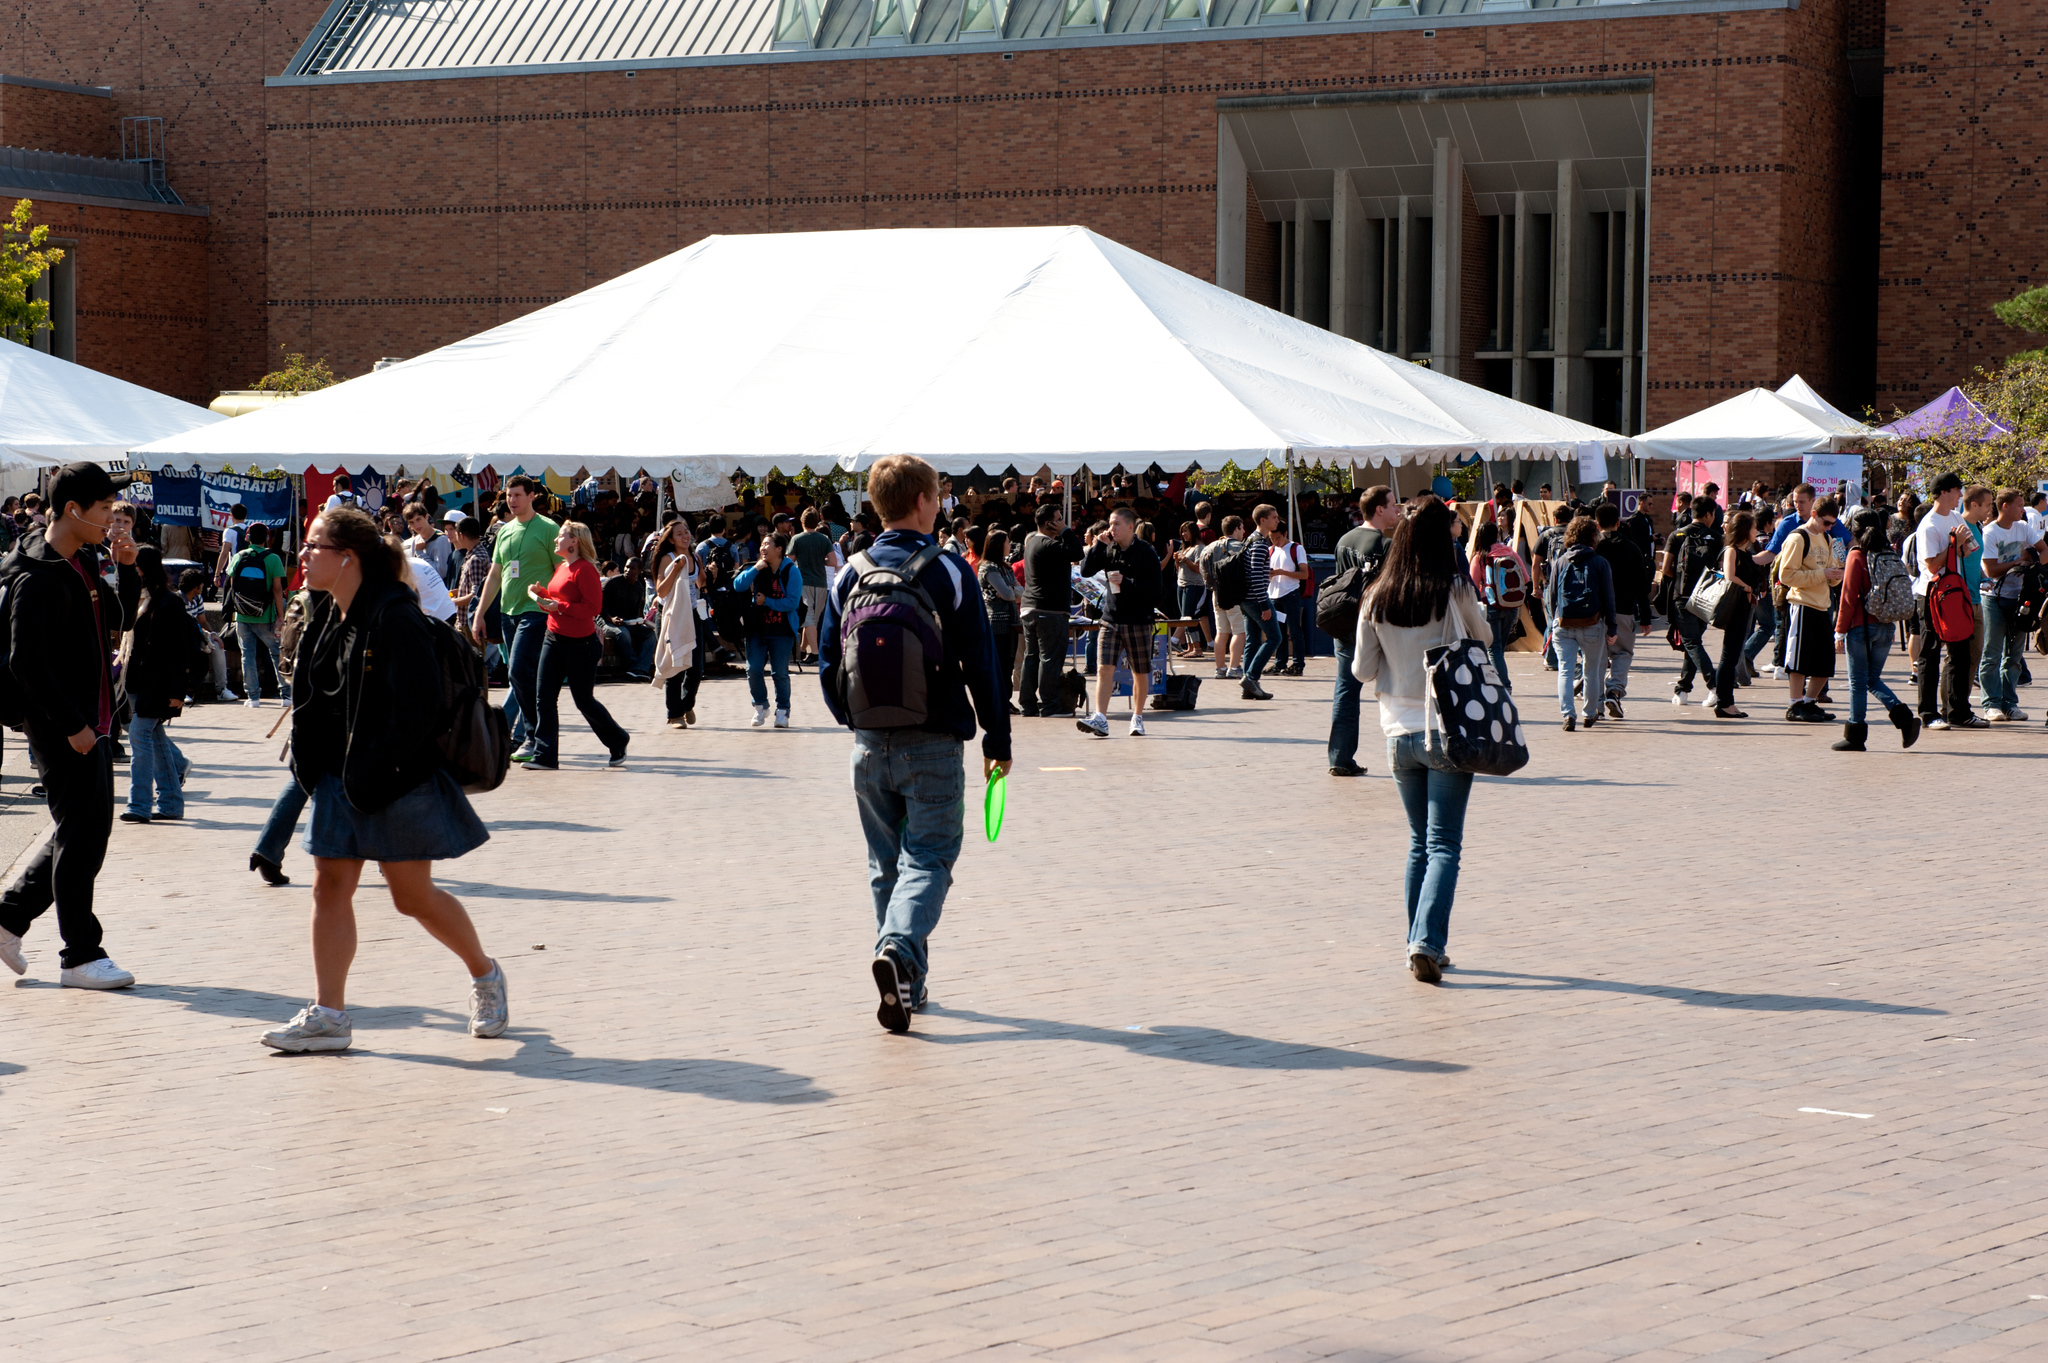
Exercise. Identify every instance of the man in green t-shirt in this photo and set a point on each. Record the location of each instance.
(255, 583)
(522, 558)
(813, 553)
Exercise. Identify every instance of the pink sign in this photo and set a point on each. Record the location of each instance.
(1694, 474)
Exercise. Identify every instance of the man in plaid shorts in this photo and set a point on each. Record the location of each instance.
(1133, 570)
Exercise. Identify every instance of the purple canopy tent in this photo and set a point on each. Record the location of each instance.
(1952, 415)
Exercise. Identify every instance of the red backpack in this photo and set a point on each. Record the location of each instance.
(1948, 602)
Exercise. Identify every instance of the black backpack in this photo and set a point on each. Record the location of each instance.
(891, 644)
(1233, 578)
(250, 596)
(1575, 598)
(2032, 605)
(475, 742)
(1338, 600)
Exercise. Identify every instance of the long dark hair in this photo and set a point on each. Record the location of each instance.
(353, 532)
(156, 584)
(1414, 587)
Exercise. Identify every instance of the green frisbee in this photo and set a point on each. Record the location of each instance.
(993, 803)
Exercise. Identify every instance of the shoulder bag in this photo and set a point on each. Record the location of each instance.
(1706, 594)
(1469, 716)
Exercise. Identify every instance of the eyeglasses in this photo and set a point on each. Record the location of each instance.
(322, 544)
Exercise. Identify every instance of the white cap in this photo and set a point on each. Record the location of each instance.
(454, 517)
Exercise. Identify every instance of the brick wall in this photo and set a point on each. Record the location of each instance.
(200, 67)
(142, 293)
(58, 120)
(1962, 224)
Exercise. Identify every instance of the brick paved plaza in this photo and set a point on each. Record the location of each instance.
(1741, 1060)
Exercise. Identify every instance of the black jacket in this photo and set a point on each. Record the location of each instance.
(58, 658)
(389, 704)
(1631, 574)
(163, 654)
(1134, 601)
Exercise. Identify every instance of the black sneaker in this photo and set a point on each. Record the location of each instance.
(1972, 722)
(126, 817)
(1348, 769)
(618, 759)
(1614, 708)
(897, 1004)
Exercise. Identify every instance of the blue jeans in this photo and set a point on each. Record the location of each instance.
(1289, 625)
(522, 702)
(1867, 647)
(1344, 701)
(910, 786)
(1585, 645)
(254, 638)
(154, 764)
(283, 821)
(1259, 639)
(637, 641)
(772, 652)
(1502, 618)
(1763, 631)
(1999, 672)
(1434, 799)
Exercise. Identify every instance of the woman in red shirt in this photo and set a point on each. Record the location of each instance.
(572, 599)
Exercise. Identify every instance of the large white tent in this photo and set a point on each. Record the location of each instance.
(1757, 424)
(55, 412)
(985, 347)
(1825, 414)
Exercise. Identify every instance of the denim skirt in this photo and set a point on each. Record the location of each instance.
(431, 822)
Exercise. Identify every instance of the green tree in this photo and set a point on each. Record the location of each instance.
(2015, 395)
(299, 375)
(23, 259)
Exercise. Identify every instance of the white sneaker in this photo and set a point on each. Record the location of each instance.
(489, 1013)
(1096, 724)
(100, 974)
(253, 704)
(1997, 716)
(1707, 701)
(782, 719)
(10, 953)
(313, 1029)
(1678, 698)
(229, 695)
(2016, 714)
(760, 716)
(1137, 726)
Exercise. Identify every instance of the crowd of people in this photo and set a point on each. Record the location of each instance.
(930, 621)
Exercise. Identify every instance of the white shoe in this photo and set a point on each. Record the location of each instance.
(1096, 724)
(1998, 716)
(253, 704)
(782, 719)
(1678, 698)
(1137, 726)
(10, 953)
(229, 695)
(489, 1013)
(312, 1030)
(100, 974)
(1707, 701)
(760, 716)
(2016, 714)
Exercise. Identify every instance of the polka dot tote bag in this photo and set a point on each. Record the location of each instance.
(1469, 716)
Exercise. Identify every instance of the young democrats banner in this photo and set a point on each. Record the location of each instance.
(204, 499)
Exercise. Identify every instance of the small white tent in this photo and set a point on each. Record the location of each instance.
(55, 412)
(1757, 424)
(1801, 394)
(984, 347)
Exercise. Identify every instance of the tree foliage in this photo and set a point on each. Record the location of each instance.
(23, 260)
(2027, 311)
(299, 375)
(2014, 395)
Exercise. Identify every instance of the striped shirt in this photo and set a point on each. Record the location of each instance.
(1257, 556)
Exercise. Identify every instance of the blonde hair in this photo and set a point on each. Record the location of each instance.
(897, 481)
(586, 546)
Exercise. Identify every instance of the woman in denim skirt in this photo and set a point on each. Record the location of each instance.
(363, 747)
(1420, 601)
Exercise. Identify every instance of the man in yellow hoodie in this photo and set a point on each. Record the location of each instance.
(1808, 568)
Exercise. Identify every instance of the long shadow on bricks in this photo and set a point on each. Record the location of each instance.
(1698, 998)
(1198, 1045)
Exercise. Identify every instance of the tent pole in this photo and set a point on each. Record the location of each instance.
(1290, 494)
(1067, 493)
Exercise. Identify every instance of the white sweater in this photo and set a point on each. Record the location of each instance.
(1392, 657)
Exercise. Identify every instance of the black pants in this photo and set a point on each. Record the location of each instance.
(1944, 681)
(80, 792)
(563, 658)
(1045, 653)
(1006, 661)
(1693, 631)
(680, 690)
(1732, 639)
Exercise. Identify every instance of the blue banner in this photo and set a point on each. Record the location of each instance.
(204, 499)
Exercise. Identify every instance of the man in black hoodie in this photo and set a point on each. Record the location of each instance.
(53, 607)
(1631, 599)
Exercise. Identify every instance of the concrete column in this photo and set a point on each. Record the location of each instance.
(1405, 303)
(1631, 363)
(1571, 297)
(1348, 266)
(1231, 190)
(1517, 338)
(1447, 223)
(1304, 274)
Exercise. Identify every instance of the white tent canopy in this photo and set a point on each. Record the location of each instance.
(55, 412)
(1801, 394)
(1757, 424)
(985, 347)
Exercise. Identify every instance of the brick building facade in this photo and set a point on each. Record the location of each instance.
(358, 213)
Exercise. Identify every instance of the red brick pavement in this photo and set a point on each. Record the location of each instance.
(1179, 1100)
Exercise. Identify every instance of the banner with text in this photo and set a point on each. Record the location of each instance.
(205, 499)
